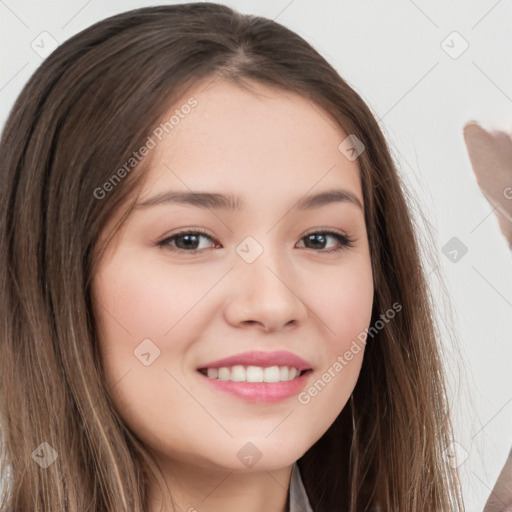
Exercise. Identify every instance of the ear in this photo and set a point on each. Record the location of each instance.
(491, 158)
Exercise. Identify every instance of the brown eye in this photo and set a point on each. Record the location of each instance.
(318, 240)
(188, 241)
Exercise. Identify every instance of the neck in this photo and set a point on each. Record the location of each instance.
(197, 489)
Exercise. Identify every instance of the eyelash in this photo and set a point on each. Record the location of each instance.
(344, 241)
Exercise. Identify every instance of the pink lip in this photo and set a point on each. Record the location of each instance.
(264, 392)
(263, 359)
(261, 391)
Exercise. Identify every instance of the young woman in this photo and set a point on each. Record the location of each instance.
(212, 297)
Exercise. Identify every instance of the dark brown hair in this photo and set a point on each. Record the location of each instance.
(90, 104)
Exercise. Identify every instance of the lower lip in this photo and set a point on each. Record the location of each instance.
(265, 392)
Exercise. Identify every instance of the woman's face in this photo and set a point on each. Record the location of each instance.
(259, 281)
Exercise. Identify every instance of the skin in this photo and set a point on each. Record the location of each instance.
(270, 149)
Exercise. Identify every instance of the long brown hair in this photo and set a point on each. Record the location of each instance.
(80, 117)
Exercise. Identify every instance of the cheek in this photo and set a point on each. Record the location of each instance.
(345, 312)
(134, 310)
(136, 304)
(344, 303)
(146, 321)
(141, 313)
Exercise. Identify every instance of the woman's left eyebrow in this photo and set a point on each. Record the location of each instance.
(230, 202)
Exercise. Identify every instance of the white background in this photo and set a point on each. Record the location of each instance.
(392, 54)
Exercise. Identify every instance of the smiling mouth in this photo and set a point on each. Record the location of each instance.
(239, 373)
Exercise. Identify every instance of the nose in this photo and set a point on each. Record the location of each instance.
(266, 295)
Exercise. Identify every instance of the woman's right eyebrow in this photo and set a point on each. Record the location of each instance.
(219, 201)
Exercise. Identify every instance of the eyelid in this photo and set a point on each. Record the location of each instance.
(186, 231)
(325, 229)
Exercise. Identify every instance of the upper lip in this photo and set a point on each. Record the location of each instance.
(263, 359)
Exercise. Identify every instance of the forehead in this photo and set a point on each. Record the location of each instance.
(262, 140)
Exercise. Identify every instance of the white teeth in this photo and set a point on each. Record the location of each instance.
(271, 374)
(239, 373)
(254, 374)
(213, 373)
(224, 373)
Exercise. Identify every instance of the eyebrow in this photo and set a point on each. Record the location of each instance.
(231, 202)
